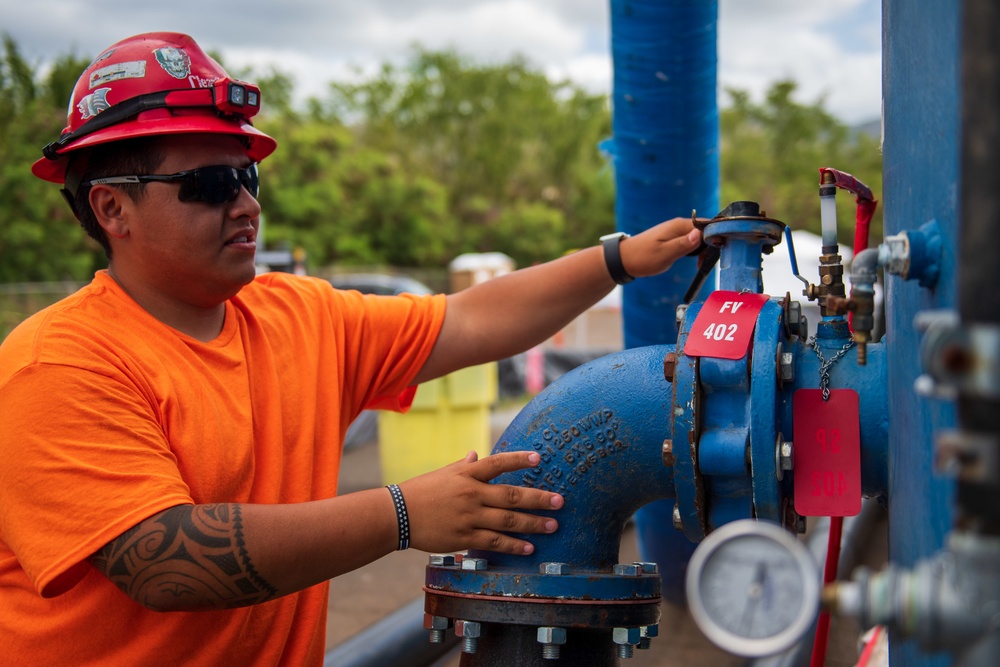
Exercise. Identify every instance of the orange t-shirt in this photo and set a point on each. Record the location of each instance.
(107, 416)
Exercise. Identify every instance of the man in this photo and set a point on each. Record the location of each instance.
(172, 432)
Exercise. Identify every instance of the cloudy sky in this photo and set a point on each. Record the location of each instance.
(830, 49)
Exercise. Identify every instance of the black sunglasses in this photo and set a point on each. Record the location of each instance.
(218, 184)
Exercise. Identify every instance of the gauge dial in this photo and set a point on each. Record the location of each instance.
(753, 589)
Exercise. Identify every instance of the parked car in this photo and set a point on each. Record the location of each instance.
(364, 429)
(379, 283)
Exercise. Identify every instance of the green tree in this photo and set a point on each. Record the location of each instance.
(39, 238)
(772, 152)
(346, 203)
(503, 140)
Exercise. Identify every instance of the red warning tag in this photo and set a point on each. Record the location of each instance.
(827, 453)
(724, 325)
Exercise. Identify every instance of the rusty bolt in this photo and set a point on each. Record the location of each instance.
(442, 560)
(551, 639)
(668, 453)
(626, 638)
(554, 568)
(669, 366)
(436, 625)
(469, 632)
(627, 569)
(473, 563)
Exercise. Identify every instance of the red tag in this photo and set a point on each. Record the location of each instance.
(827, 453)
(724, 325)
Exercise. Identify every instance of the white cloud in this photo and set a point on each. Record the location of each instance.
(770, 40)
(592, 72)
(316, 41)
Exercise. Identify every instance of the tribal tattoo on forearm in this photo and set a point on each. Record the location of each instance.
(188, 557)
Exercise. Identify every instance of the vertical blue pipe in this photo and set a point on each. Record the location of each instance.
(921, 86)
(666, 156)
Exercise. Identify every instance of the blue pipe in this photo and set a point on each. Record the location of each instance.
(666, 140)
(666, 156)
(600, 432)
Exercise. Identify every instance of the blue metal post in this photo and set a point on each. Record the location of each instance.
(920, 73)
(666, 156)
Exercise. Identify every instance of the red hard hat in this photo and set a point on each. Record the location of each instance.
(153, 84)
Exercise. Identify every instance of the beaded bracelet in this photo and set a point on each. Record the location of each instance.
(402, 518)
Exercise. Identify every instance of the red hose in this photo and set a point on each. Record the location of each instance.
(829, 576)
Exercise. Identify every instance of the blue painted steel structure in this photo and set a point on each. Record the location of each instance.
(652, 423)
(687, 444)
(920, 163)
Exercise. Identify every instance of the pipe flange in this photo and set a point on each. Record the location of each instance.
(690, 513)
(742, 219)
(633, 583)
(542, 612)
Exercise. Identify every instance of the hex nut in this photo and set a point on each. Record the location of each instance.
(432, 622)
(442, 560)
(629, 636)
(668, 453)
(627, 569)
(787, 367)
(647, 567)
(787, 456)
(669, 366)
(795, 321)
(554, 568)
(651, 630)
(469, 629)
(549, 635)
(473, 563)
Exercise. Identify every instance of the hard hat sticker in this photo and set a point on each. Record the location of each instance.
(827, 453)
(134, 69)
(93, 104)
(724, 325)
(174, 61)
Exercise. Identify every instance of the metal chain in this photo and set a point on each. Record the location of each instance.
(825, 366)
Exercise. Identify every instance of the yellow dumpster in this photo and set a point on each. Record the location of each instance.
(449, 417)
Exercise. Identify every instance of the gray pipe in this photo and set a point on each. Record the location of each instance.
(399, 640)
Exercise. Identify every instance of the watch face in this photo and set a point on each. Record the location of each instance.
(615, 235)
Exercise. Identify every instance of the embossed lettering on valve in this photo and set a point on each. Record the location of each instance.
(569, 452)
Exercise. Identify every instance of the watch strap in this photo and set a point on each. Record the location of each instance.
(613, 257)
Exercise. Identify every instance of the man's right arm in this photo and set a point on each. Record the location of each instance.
(219, 556)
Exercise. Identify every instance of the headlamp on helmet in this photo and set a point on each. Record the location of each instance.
(236, 97)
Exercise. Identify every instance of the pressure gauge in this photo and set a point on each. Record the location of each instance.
(752, 588)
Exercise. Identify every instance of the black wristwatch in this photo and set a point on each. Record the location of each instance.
(613, 257)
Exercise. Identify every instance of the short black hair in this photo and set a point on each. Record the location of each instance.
(139, 156)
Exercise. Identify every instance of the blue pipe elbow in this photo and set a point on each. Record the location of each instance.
(600, 430)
